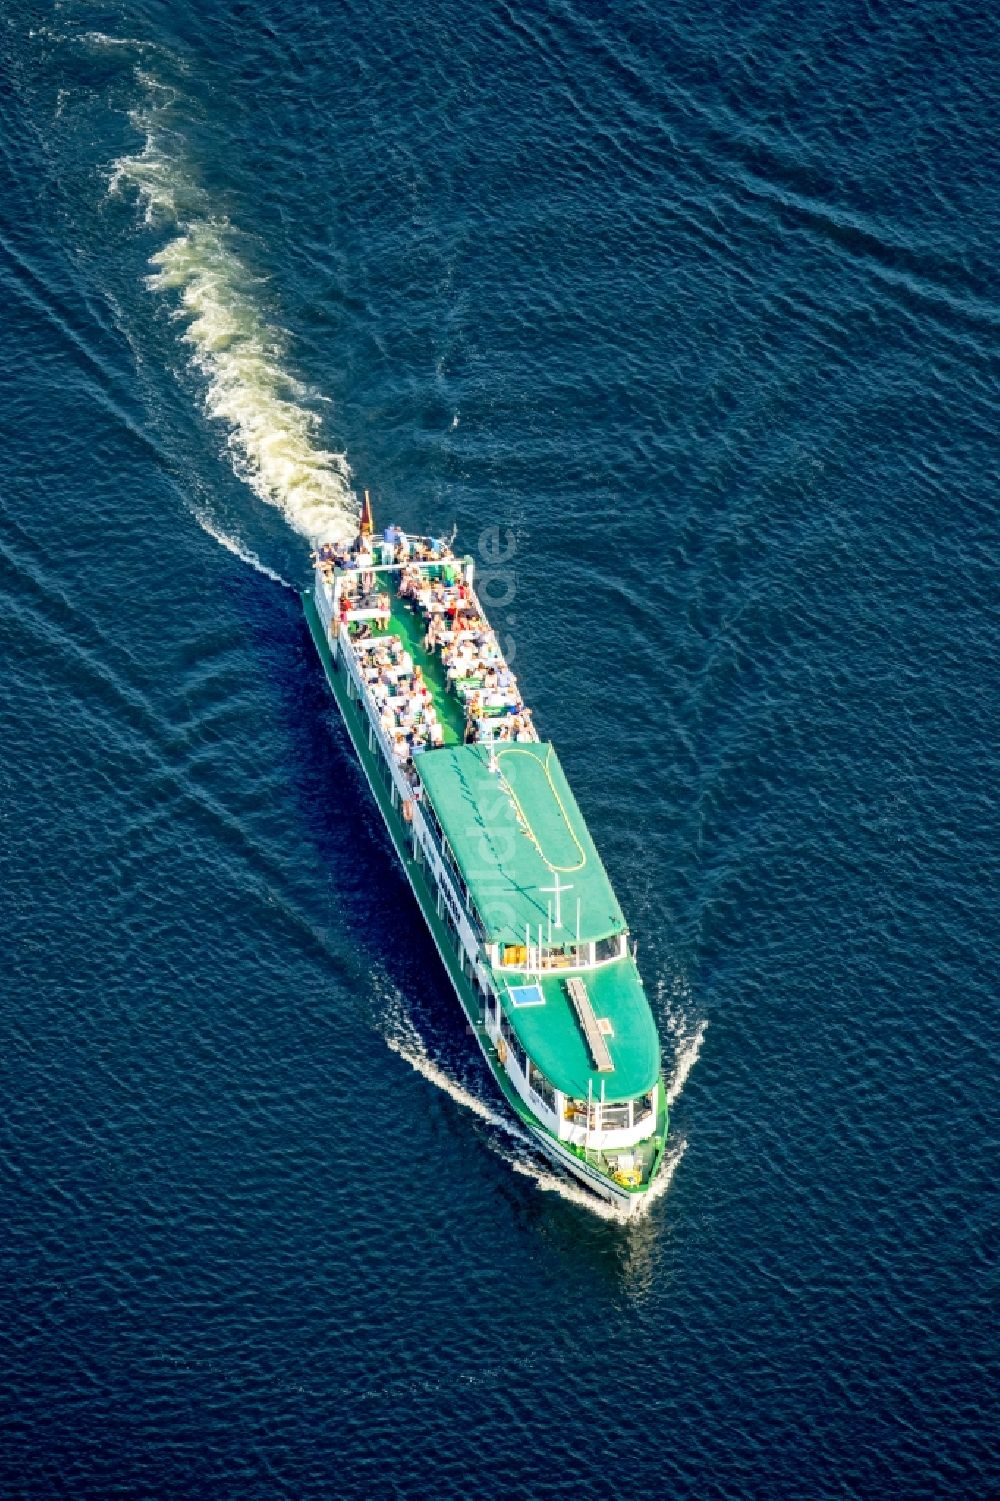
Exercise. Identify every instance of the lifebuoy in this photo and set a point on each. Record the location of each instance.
(407, 811)
(501, 1050)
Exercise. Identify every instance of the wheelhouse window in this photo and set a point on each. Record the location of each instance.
(509, 1036)
(581, 1113)
(566, 956)
(617, 1117)
(610, 948)
(559, 956)
(644, 1109)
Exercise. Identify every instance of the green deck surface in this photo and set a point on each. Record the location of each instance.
(551, 1034)
(512, 833)
(410, 627)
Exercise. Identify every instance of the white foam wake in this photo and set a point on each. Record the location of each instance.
(684, 1062)
(272, 434)
(664, 1178)
(233, 545)
(554, 1182)
(101, 40)
(411, 1048)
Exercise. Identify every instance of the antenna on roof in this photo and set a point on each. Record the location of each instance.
(558, 888)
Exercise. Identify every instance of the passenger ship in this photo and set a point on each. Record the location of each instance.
(497, 853)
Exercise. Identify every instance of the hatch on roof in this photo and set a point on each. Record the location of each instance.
(526, 995)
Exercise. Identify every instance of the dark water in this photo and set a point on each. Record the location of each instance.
(701, 303)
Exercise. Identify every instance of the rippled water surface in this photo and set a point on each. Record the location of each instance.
(700, 303)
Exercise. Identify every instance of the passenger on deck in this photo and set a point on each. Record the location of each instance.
(469, 652)
(432, 635)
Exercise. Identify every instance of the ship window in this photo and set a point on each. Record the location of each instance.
(608, 948)
(518, 1054)
(577, 1111)
(616, 1117)
(645, 1106)
(541, 1086)
(560, 957)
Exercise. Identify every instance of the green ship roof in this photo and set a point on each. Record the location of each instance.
(551, 1035)
(515, 833)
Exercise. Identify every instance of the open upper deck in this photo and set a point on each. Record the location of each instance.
(417, 592)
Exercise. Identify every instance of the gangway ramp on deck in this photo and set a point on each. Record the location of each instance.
(577, 991)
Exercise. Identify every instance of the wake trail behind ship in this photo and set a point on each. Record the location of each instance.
(272, 432)
(237, 548)
(684, 1062)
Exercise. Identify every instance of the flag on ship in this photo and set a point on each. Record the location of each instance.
(367, 525)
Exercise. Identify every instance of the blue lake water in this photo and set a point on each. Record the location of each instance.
(699, 305)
